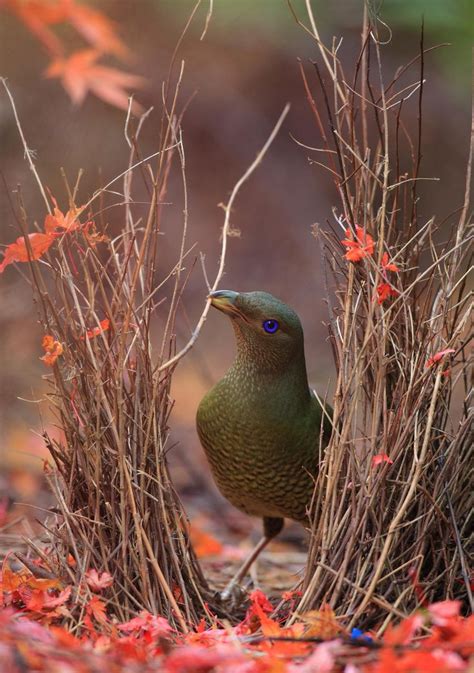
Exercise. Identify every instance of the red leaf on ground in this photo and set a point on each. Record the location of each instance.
(55, 601)
(196, 659)
(443, 611)
(96, 608)
(203, 543)
(97, 581)
(403, 632)
(146, 622)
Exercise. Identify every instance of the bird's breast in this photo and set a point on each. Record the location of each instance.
(261, 448)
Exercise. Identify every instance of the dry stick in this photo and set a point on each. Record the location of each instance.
(404, 504)
(208, 19)
(28, 152)
(225, 232)
(332, 71)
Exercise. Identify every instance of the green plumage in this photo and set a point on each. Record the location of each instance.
(260, 425)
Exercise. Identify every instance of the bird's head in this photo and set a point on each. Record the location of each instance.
(267, 331)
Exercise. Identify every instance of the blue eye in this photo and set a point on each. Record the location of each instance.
(271, 326)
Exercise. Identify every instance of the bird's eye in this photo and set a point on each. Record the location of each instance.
(271, 326)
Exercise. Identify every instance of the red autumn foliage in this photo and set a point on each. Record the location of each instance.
(35, 615)
(78, 70)
(58, 220)
(98, 581)
(103, 326)
(434, 359)
(80, 73)
(53, 349)
(34, 246)
(388, 266)
(361, 247)
(385, 291)
(381, 458)
(204, 544)
(20, 251)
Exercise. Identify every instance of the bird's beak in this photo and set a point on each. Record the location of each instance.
(224, 300)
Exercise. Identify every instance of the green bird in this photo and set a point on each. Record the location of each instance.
(260, 426)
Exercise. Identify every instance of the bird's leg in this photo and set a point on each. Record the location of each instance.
(271, 527)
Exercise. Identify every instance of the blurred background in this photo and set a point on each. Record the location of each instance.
(239, 78)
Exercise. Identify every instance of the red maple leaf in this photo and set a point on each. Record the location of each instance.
(59, 599)
(97, 581)
(385, 291)
(53, 350)
(18, 251)
(95, 331)
(37, 15)
(434, 359)
(96, 608)
(80, 74)
(147, 623)
(388, 266)
(361, 247)
(96, 28)
(59, 220)
(381, 458)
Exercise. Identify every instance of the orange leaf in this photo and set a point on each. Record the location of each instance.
(80, 74)
(381, 458)
(10, 580)
(102, 327)
(321, 623)
(53, 350)
(388, 266)
(60, 599)
(96, 608)
(37, 15)
(438, 356)
(18, 251)
(97, 29)
(92, 235)
(68, 222)
(35, 603)
(385, 291)
(203, 543)
(362, 247)
(44, 583)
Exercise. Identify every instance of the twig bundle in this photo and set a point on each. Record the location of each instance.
(111, 396)
(393, 499)
(110, 392)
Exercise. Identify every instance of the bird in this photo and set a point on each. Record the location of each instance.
(262, 426)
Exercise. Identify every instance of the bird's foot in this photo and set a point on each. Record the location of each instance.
(232, 595)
